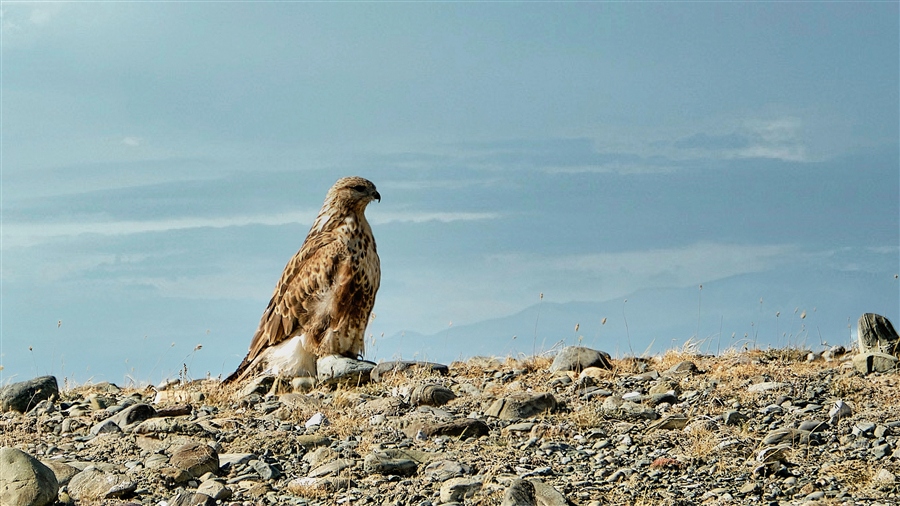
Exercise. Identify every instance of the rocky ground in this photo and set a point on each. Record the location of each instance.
(771, 427)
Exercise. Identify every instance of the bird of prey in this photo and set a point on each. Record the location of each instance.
(323, 301)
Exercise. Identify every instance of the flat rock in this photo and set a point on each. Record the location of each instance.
(335, 369)
(24, 395)
(196, 459)
(332, 468)
(93, 484)
(766, 386)
(214, 489)
(442, 470)
(25, 481)
(874, 361)
(191, 499)
(579, 358)
(459, 489)
(134, 414)
(63, 472)
(431, 395)
(385, 369)
(462, 428)
(521, 405)
(383, 463)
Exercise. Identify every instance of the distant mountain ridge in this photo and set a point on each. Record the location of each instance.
(772, 309)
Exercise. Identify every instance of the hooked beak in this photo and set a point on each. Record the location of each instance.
(377, 196)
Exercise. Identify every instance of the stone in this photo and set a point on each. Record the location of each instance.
(105, 427)
(442, 470)
(332, 468)
(63, 472)
(431, 395)
(579, 358)
(462, 428)
(25, 481)
(264, 470)
(547, 495)
(876, 334)
(133, 414)
(386, 369)
(336, 369)
(191, 499)
(24, 395)
(384, 463)
(734, 417)
(229, 460)
(683, 368)
(669, 422)
(873, 361)
(519, 493)
(214, 489)
(839, 410)
(767, 385)
(196, 459)
(93, 484)
(521, 405)
(459, 489)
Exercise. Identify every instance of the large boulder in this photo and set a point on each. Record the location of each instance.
(24, 395)
(579, 358)
(876, 334)
(24, 481)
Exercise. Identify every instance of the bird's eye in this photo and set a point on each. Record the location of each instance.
(360, 188)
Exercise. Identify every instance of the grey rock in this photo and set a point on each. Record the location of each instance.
(519, 493)
(459, 489)
(385, 369)
(383, 463)
(813, 425)
(24, 481)
(264, 470)
(215, 489)
(876, 334)
(94, 484)
(462, 428)
(874, 361)
(134, 414)
(229, 460)
(443, 470)
(734, 417)
(336, 369)
(683, 368)
(191, 499)
(669, 422)
(63, 472)
(523, 405)
(431, 395)
(332, 468)
(105, 427)
(839, 410)
(24, 395)
(195, 458)
(767, 385)
(579, 358)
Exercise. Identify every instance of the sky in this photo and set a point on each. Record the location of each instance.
(161, 162)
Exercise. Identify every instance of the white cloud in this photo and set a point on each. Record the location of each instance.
(131, 141)
(29, 234)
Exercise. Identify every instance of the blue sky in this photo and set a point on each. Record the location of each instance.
(161, 162)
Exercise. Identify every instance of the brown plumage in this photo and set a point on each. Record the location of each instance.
(322, 303)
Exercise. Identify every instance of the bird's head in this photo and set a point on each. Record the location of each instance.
(354, 191)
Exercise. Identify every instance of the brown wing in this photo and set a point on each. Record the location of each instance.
(297, 302)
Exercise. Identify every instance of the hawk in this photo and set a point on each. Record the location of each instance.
(323, 301)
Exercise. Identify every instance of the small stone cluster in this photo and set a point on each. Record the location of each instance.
(774, 427)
